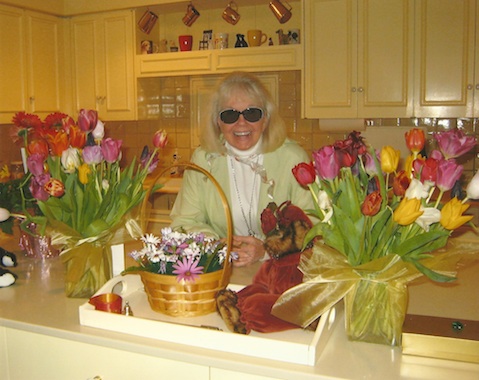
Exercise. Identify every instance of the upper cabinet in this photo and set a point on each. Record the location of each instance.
(31, 67)
(446, 59)
(103, 64)
(358, 58)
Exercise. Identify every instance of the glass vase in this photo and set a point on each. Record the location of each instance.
(35, 245)
(375, 311)
(88, 268)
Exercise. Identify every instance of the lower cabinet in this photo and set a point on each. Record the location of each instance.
(36, 357)
(30, 356)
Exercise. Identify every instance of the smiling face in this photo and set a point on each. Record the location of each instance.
(242, 134)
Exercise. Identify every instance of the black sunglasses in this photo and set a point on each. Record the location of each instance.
(251, 114)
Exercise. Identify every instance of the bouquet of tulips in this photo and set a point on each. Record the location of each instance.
(74, 172)
(378, 222)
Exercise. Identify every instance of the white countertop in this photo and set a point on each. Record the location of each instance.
(36, 303)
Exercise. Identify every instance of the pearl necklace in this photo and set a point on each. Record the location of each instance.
(248, 221)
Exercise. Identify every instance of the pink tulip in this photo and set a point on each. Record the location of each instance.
(87, 120)
(92, 154)
(448, 172)
(326, 162)
(111, 149)
(35, 164)
(454, 143)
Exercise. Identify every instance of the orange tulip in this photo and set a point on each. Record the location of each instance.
(58, 142)
(415, 140)
(77, 137)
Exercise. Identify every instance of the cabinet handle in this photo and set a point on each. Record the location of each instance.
(32, 99)
(469, 87)
(360, 89)
(477, 86)
(353, 89)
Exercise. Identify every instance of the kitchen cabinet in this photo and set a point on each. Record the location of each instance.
(358, 58)
(31, 68)
(446, 59)
(269, 58)
(103, 64)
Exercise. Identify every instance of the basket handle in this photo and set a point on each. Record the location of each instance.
(224, 201)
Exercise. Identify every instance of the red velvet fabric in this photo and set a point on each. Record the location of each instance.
(255, 301)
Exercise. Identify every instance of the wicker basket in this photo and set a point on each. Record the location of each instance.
(184, 298)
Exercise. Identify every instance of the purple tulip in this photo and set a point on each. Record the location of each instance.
(92, 155)
(35, 164)
(448, 172)
(326, 162)
(111, 149)
(36, 187)
(87, 120)
(454, 143)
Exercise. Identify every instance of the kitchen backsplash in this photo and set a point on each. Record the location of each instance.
(165, 103)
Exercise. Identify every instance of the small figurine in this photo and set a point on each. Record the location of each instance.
(7, 259)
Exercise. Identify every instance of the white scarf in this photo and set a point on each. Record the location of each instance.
(244, 188)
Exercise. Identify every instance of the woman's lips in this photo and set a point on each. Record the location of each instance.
(241, 134)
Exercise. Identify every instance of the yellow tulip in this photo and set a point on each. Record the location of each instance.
(83, 172)
(389, 159)
(408, 211)
(451, 214)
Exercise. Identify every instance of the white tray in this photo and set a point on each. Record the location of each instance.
(293, 346)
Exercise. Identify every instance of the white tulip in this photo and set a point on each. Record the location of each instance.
(472, 189)
(99, 130)
(4, 214)
(417, 190)
(430, 215)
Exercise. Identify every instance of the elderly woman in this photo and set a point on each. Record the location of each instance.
(244, 147)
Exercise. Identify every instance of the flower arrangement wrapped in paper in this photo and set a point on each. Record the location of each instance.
(85, 196)
(379, 227)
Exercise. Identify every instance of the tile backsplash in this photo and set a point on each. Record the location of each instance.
(165, 103)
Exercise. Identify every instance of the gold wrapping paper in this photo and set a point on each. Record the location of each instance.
(328, 277)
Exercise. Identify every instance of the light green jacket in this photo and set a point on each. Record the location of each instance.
(198, 207)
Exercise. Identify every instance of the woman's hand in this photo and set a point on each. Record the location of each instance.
(249, 250)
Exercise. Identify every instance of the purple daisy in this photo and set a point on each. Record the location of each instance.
(187, 269)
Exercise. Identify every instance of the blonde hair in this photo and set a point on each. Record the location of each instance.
(274, 134)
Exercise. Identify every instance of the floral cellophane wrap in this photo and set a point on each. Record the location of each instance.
(375, 293)
(88, 261)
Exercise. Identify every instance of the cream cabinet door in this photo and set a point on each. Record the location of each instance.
(31, 65)
(44, 62)
(35, 356)
(358, 58)
(444, 58)
(13, 88)
(385, 58)
(330, 42)
(103, 72)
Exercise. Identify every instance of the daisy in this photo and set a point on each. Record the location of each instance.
(187, 269)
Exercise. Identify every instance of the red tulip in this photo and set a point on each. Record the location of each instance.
(304, 173)
(415, 140)
(39, 146)
(160, 139)
(268, 221)
(427, 169)
(372, 204)
(54, 187)
(401, 182)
